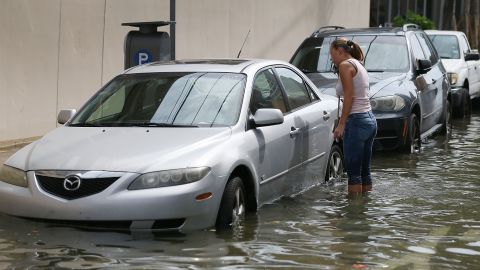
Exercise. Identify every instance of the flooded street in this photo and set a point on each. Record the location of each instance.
(423, 213)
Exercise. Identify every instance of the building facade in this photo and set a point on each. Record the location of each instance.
(56, 53)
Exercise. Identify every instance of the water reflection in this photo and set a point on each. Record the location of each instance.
(422, 214)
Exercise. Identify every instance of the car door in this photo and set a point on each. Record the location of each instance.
(316, 136)
(439, 84)
(277, 149)
(426, 86)
(473, 70)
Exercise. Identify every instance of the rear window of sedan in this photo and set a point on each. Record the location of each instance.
(166, 99)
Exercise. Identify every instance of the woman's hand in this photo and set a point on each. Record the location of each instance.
(338, 132)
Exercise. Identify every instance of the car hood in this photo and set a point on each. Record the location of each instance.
(378, 81)
(453, 65)
(130, 149)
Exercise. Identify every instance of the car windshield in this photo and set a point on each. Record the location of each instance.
(446, 46)
(382, 54)
(166, 100)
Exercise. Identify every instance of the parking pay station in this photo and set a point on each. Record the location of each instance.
(146, 44)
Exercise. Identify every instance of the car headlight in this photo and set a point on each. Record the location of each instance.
(388, 103)
(13, 176)
(169, 178)
(452, 78)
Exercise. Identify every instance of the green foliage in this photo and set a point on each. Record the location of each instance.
(412, 17)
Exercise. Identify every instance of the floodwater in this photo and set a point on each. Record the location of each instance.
(423, 213)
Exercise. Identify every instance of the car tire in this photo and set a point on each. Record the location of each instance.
(467, 106)
(232, 207)
(335, 165)
(447, 121)
(413, 143)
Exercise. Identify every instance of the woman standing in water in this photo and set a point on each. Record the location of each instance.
(357, 124)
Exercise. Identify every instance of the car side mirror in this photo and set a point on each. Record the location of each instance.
(424, 65)
(65, 115)
(267, 117)
(472, 56)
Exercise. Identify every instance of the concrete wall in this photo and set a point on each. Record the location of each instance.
(55, 54)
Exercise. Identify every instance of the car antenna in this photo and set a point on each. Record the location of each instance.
(245, 40)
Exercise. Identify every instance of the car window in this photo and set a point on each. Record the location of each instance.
(382, 53)
(446, 45)
(427, 49)
(294, 86)
(113, 106)
(266, 92)
(166, 99)
(464, 43)
(416, 48)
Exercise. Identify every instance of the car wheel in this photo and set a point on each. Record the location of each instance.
(467, 105)
(335, 166)
(447, 121)
(232, 206)
(413, 143)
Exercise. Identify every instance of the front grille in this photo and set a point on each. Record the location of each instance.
(88, 186)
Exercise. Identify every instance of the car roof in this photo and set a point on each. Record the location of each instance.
(365, 31)
(443, 32)
(233, 65)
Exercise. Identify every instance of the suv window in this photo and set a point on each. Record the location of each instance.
(382, 53)
(416, 48)
(266, 92)
(427, 49)
(297, 92)
(464, 43)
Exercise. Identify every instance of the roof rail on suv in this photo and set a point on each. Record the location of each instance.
(325, 28)
(411, 26)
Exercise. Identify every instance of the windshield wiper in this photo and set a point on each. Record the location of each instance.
(83, 125)
(153, 124)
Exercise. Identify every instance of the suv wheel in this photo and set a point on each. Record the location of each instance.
(467, 106)
(413, 143)
(447, 121)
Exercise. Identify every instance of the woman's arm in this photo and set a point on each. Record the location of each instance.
(346, 72)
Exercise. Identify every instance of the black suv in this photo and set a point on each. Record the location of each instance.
(409, 91)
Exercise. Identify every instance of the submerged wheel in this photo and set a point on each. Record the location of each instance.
(447, 121)
(232, 206)
(413, 143)
(467, 105)
(335, 165)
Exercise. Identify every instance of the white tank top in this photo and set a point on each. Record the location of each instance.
(361, 102)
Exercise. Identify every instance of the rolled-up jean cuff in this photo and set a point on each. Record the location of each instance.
(366, 180)
(356, 180)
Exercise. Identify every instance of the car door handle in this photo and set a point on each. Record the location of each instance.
(294, 131)
(326, 115)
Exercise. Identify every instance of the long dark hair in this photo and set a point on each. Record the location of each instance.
(349, 46)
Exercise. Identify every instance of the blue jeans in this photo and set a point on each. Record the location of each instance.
(360, 130)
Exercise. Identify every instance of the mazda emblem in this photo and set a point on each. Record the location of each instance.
(72, 182)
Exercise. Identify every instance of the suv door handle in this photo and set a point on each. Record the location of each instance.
(326, 115)
(294, 131)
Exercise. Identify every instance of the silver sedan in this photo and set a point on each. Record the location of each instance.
(178, 145)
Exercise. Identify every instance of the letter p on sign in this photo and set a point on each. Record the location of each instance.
(142, 57)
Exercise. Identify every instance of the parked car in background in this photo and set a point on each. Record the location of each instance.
(179, 145)
(462, 65)
(409, 91)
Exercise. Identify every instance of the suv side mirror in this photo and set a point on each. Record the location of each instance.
(65, 115)
(424, 65)
(267, 117)
(472, 56)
